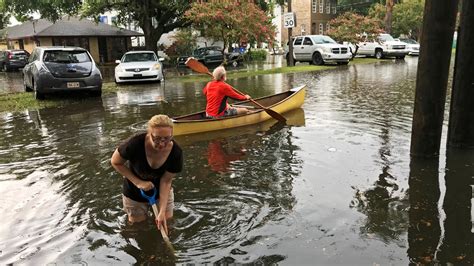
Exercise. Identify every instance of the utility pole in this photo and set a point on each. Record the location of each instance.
(461, 115)
(290, 59)
(432, 76)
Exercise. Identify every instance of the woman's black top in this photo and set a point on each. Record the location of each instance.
(133, 150)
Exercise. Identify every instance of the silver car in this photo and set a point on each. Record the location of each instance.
(54, 69)
(139, 66)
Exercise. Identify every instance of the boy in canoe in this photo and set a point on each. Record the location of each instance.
(217, 92)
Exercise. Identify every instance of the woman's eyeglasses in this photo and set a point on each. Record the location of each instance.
(161, 139)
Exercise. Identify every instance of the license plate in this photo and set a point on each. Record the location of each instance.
(73, 84)
(137, 75)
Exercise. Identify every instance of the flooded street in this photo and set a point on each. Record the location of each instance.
(332, 187)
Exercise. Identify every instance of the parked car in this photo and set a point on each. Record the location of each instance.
(212, 55)
(13, 59)
(413, 46)
(54, 69)
(383, 46)
(139, 66)
(319, 50)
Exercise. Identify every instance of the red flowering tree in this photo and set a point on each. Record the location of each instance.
(231, 22)
(354, 28)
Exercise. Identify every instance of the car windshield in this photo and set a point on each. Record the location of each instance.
(138, 57)
(385, 38)
(322, 39)
(409, 41)
(66, 57)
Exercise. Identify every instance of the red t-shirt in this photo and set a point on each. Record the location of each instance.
(216, 94)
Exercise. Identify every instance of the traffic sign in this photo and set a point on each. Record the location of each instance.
(289, 20)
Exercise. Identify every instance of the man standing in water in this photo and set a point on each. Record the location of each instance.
(153, 158)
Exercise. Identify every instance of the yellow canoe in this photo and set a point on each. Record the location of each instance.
(280, 103)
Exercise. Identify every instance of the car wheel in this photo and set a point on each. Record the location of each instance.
(5, 68)
(318, 59)
(38, 95)
(401, 57)
(379, 54)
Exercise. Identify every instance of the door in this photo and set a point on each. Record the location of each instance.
(307, 49)
(298, 48)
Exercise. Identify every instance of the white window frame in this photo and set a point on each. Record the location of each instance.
(334, 9)
(314, 6)
(328, 7)
(328, 27)
(321, 28)
(321, 6)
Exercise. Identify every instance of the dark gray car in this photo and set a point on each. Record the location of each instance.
(13, 59)
(54, 69)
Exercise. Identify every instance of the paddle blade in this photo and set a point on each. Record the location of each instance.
(197, 66)
(275, 115)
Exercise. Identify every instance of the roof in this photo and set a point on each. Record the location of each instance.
(66, 27)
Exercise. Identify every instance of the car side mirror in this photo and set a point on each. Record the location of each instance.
(161, 59)
(117, 61)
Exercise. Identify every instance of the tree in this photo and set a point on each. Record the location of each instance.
(154, 17)
(231, 22)
(4, 16)
(184, 42)
(408, 18)
(377, 12)
(353, 28)
(388, 15)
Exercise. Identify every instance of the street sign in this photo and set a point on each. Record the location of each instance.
(289, 20)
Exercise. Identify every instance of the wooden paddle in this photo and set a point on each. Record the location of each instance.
(154, 207)
(201, 68)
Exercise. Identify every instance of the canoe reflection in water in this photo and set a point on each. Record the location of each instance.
(220, 155)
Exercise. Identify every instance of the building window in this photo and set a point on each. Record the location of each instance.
(334, 9)
(328, 7)
(321, 6)
(321, 28)
(314, 6)
(328, 27)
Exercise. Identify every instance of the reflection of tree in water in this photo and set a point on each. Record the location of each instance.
(458, 241)
(385, 210)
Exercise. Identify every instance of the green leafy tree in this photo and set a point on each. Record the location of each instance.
(4, 16)
(377, 12)
(354, 28)
(231, 22)
(52, 10)
(408, 18)
(184, 42)
(154, 17)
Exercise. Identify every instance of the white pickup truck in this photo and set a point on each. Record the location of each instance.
(384, 46)
(318, 50)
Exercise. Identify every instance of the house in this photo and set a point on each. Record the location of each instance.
(312, 17)
(106, 43)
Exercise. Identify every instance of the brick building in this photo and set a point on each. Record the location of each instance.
(312, 17)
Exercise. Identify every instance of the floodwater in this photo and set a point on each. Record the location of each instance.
(335, 186)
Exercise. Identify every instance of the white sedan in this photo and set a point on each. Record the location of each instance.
(139, 66)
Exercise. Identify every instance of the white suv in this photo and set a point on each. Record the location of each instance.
(384, 46)
(318, 50)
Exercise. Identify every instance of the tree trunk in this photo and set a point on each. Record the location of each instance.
(388, 16)
(461, 115)
(432, 77)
